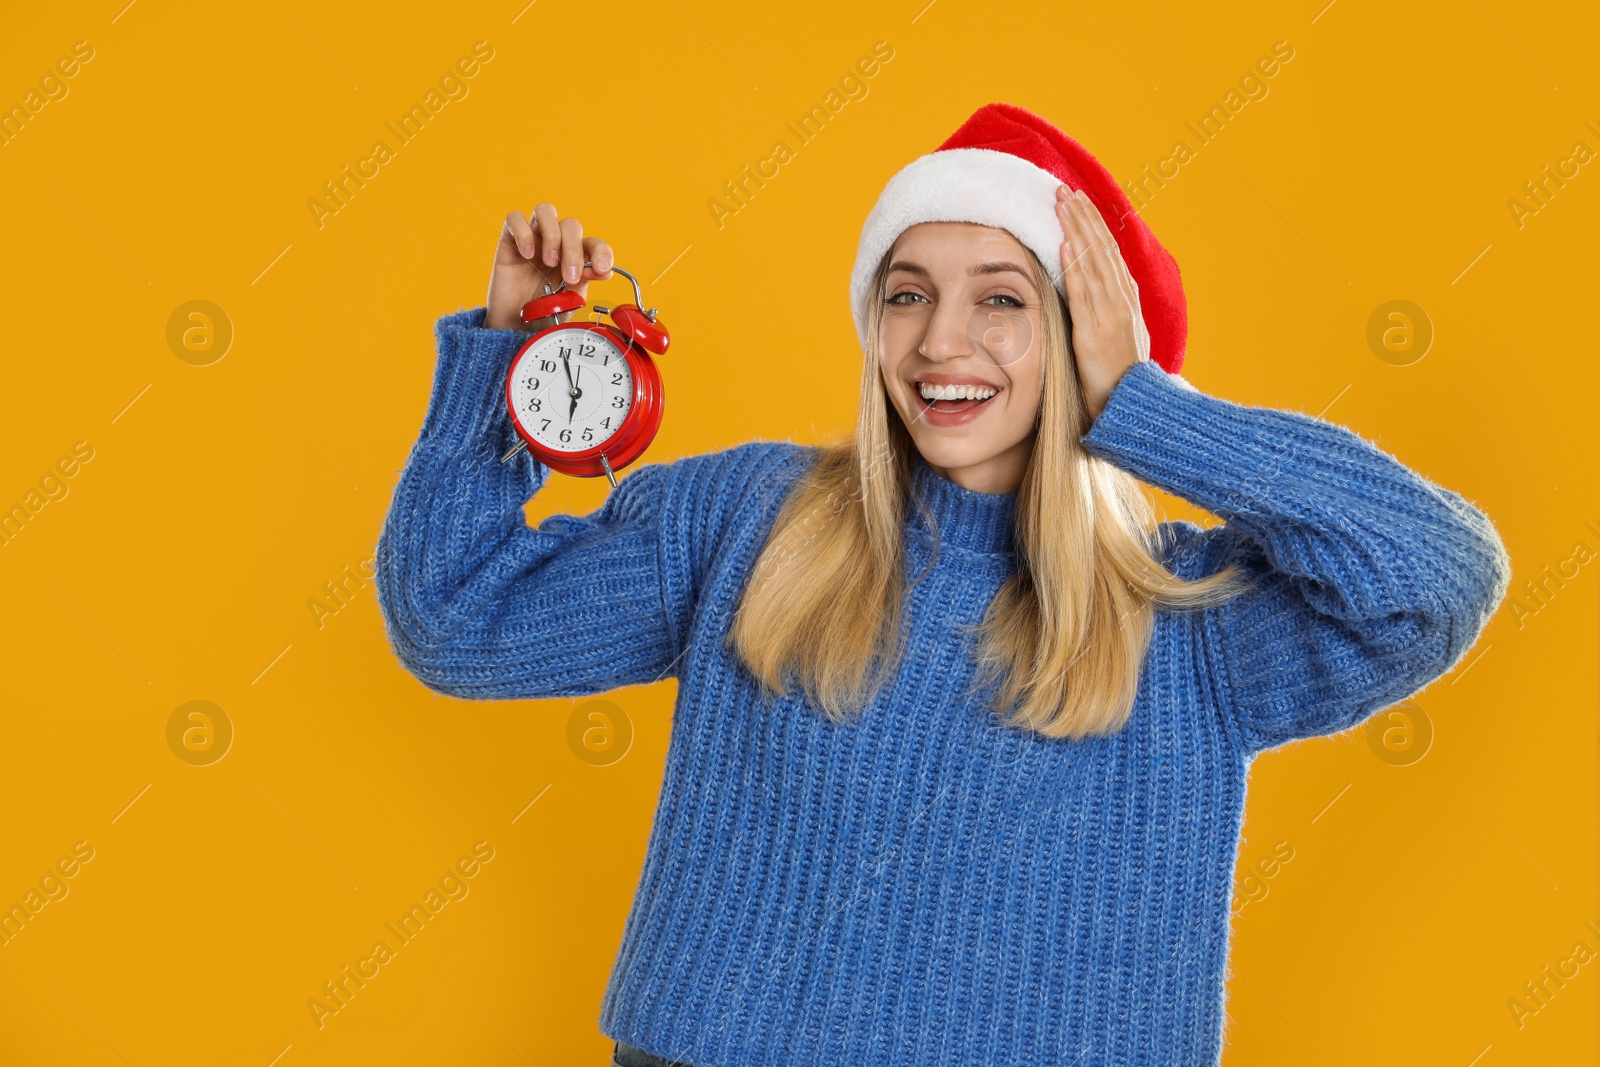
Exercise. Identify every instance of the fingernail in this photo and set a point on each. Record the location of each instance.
(550, 257)
(572, 274)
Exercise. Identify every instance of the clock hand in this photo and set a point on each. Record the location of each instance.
(572, 387)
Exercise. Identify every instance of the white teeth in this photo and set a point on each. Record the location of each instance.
(955, 392)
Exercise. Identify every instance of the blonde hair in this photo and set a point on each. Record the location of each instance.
(1067, 631)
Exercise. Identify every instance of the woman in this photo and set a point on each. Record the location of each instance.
(957, 767)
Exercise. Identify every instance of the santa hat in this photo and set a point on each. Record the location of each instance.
(1001, 168)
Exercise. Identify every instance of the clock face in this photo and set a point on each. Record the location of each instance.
(572, 390)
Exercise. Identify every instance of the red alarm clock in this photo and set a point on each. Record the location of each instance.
(586, 397)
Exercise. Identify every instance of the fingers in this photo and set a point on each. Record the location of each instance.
(1118, 267)
(598, 253)
(560, 247)
(1115, 273)
(549, 232)
(1078, 265)
(1091, 241)
(520, 233)
(571, 251)
(1111, 291)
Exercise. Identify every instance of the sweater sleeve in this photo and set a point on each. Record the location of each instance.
(1367, 581)
(478, 605)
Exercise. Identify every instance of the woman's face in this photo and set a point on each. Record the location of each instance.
(960, 350)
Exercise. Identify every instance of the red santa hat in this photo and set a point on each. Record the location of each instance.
(1001, 169)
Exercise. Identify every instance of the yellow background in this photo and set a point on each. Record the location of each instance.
(220, 499)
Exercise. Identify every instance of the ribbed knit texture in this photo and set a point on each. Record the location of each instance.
(925, 886)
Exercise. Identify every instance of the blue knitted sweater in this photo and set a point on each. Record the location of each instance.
(925, 886)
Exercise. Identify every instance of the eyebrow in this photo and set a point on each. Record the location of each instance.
(993, 267)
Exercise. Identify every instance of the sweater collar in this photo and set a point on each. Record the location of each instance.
(978, 522)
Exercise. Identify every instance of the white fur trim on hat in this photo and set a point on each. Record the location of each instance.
(979, 185)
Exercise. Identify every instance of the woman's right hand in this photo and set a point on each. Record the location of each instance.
(530, 256)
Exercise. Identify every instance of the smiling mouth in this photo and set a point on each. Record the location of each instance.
(940, 404)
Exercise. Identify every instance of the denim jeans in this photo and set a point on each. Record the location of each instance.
(628, 1056)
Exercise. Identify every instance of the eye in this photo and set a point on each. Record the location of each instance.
(895, 299)
(1014, 302)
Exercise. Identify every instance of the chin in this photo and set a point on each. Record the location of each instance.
(941, 449)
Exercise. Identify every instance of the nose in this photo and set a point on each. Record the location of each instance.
(946, 336)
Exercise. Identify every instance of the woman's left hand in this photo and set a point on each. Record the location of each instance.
(1108, 330)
